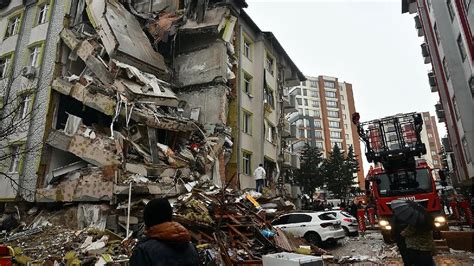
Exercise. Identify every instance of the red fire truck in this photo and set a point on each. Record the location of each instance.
(394, 145)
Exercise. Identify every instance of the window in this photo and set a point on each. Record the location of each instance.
(247, 83)
(269, 99)
(429, 5)
(335, 134)
(330, 94)
(318, 134)
(345, 117)
(466, 150)
(15, 159)
(301, 133)
(34, 55)
(314, 93)
(319, 145)
(247, 123)
(334, 124)
(450, 9)
(305, 92)
(347, 136)
(343, 107)
(247, 48)
(24, 105)
(269, 63)
(282, 220)
(435, 162)
(456, 109)
(305, 102)
(5, 66)
(299, 218)
(303, 83)
(341, 88)
(299, 101)
(246, 163)
(435, 27)
(317, 113)
(430, 135)
(433, 153)
(317, 123)
(342, 97)
(445, 68)
(300, 110)
(462, 49)
(332, 103)
(333, 114)
(270, 132)
(329, 84)
(43, 13)
(314, 83)
(13, 26)
(466, 4)
(336, 143)
(315, 103)
(345, 125)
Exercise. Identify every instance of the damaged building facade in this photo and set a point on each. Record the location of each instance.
(147, 97)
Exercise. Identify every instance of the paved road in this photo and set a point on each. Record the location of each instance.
(369, 249)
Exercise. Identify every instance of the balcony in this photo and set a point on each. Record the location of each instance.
(438, 107)
(418, 26)
(425, 51)
(441, 116)
(289, 131)
(289, 104)
(433, 83)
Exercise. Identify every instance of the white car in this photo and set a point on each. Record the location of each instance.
(315, 227)
(348, 222)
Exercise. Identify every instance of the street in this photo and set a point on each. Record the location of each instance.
(369, 249)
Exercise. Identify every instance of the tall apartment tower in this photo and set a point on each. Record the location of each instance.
(323, 119)
(447, 28)
(430, 137)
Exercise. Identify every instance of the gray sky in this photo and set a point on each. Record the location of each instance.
(370, 44)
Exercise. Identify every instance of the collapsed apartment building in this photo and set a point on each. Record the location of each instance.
(154, 93)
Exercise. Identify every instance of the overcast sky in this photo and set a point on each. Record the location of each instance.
(369, 44)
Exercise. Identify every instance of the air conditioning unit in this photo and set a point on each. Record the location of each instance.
(29, 72)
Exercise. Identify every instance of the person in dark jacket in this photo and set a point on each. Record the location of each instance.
(166, 242)
(398, 227)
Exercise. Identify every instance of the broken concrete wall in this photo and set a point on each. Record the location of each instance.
(210, 102)
(123, 37)
(149, 6)
(203, 66)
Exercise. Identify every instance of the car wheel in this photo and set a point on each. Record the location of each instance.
(346, 231)
(313, 238)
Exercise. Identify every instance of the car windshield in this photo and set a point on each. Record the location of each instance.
(404, 182)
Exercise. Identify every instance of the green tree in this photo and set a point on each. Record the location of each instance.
(310, 175)
(339, 172)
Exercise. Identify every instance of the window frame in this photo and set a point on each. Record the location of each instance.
(247, 47)
(17, 159)
(269, 58)
(17, 15)
(42, 19)
(461, 48)
(7, 66)
(247, 81)
(329, 94)
(330, 122)
(246, 162)
(446, 68)
(450, 7)
(247, 122)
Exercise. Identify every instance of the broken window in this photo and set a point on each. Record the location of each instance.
(4, 66)
(268, 94)
(34, 55)
(247, 123)
(24, 107)
(246, 163)
(15, 158)
(13, 26)
(247, 83)
(270, 132)
(43, 14)
(269, 63)
(247, 48)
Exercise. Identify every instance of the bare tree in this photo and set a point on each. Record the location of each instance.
(17, 111)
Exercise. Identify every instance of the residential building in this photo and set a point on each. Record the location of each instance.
(447, 28)
(99, 109)
(430, 137)
(325, 107)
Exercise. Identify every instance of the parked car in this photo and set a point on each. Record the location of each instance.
(315, 227)
(348, 222)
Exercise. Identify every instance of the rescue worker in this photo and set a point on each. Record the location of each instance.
(259, 175)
